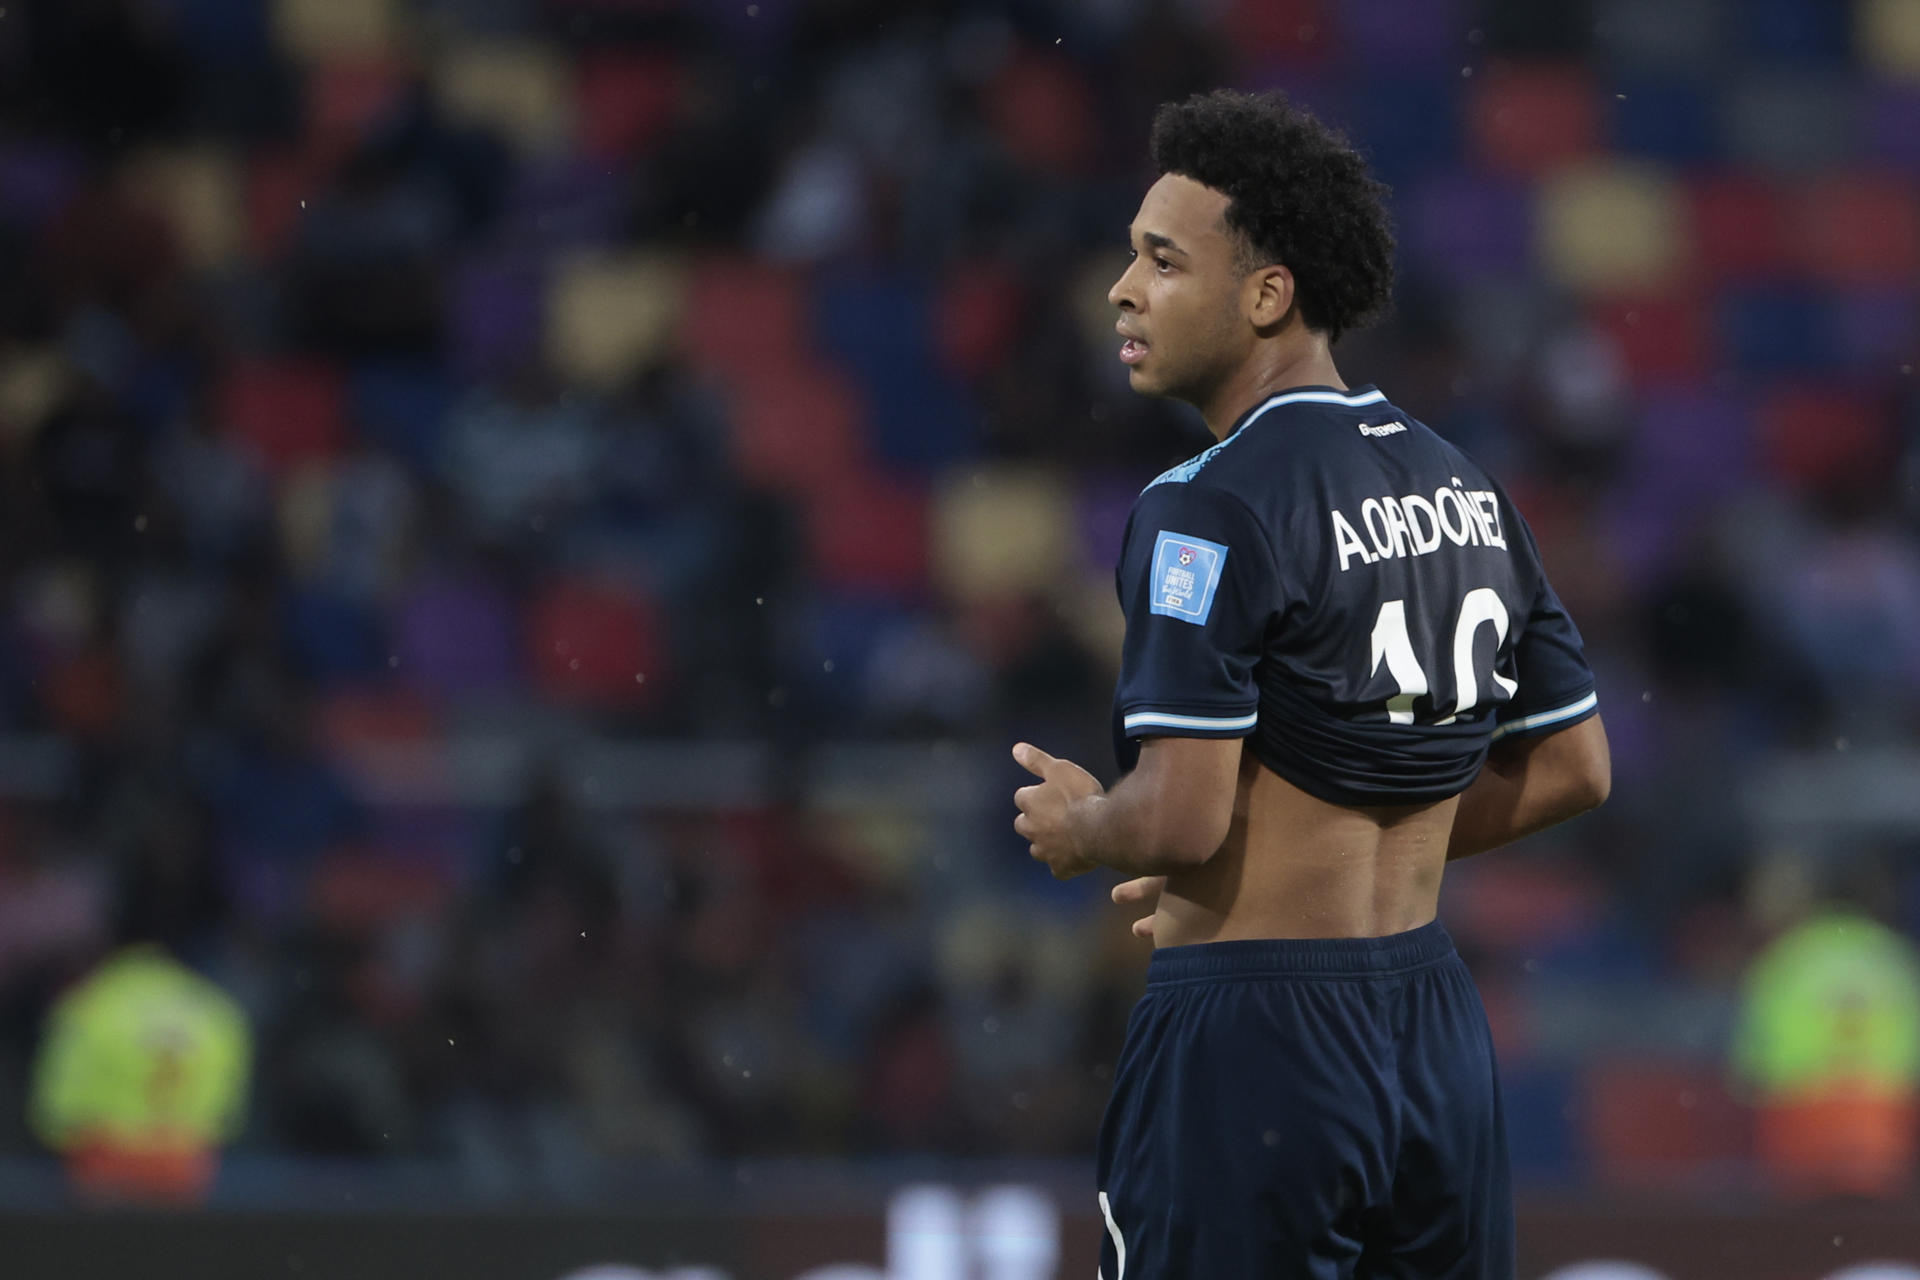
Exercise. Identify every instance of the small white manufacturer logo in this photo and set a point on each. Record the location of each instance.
(1384, 429)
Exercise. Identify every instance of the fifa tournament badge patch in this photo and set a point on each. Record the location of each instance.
(1186, 573)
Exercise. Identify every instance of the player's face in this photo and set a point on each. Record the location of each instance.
(1179, 296)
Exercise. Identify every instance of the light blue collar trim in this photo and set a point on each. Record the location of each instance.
(1185, 471)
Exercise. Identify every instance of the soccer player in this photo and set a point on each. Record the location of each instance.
(1343, 667)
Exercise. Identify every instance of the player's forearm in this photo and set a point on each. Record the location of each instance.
(1122, 830)
(1531, 786)
(1500, 808)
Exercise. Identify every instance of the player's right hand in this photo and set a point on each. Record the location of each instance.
(1145, 890)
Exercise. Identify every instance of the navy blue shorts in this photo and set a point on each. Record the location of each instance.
(1318, 1109)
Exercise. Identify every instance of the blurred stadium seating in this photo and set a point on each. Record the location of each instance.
(531, 524)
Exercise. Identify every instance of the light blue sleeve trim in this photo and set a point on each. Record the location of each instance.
(1541, 719)
(1209, 724)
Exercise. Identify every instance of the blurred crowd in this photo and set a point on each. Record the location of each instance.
(386, 386)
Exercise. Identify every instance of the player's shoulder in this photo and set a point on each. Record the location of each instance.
(1262, 431)
(1204, 471)
(1208, 496)
(1204, 502)
(1279, 447)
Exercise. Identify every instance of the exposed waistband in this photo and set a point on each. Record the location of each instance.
(1300, 957)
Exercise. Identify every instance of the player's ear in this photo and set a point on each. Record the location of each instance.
(1269, 296)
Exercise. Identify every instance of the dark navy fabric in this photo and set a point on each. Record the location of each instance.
(1307, 1110)
(1349, 592)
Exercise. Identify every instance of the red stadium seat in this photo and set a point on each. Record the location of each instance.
(1043, 111)
(350, 719)
(84, 694)
(625, 102)
(1662, 340)
(868, 532)
(287, 411)
(384, 740)
(276, 184)
(1861, 229)
(1740, 229)
(354, 891)
(1842, 1143)
(1521, 906)
(593, 642)
(1531, 118)
(346, 95)
(1659, 1123)
(739, 314)
(797, 429)
(976, 318)
(1509, 1020)
(1815, 436)
(1290, 31)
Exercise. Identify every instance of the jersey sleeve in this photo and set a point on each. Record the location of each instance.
(1556, 684)
(1199, 586)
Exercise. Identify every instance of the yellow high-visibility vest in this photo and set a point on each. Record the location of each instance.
(1832, 1004)
(144, 1053)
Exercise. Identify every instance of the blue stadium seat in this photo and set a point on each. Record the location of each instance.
(1663, 118)
(1466, 227)
(332, 637)
(224, 31)
(1775, 329)
(1806, 31)
(1873, 328)
(402, 407)
(1543, 1139)
(878, 328)
(1408, 125)
(1891, 118)
(1611, 948)
(845, 628)
(1403, 33)
(456, 636)
(495, 316)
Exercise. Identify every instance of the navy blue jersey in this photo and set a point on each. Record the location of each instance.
(1351, 594)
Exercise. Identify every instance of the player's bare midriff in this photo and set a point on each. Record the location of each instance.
(1294, 866)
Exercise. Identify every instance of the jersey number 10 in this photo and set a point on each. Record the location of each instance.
(1392, 645)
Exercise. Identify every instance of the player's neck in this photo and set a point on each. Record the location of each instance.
(1306, 363)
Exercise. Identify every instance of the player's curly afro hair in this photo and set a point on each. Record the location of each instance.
(1298, 194)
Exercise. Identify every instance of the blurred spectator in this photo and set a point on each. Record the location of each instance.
(1829, 1049)
(143, 1073)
